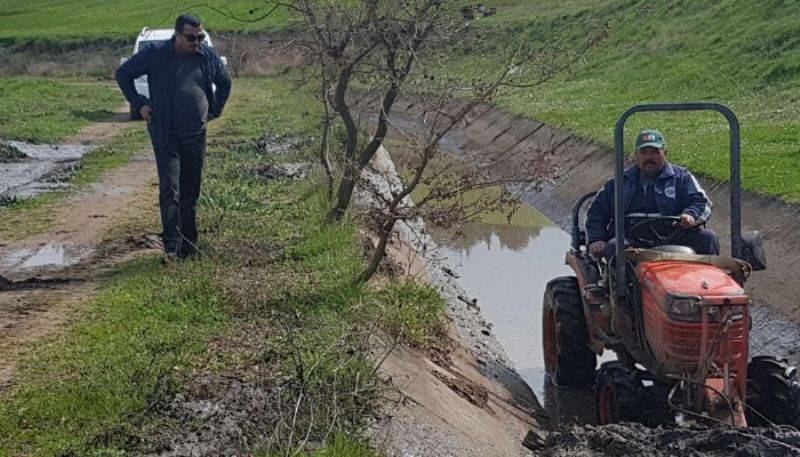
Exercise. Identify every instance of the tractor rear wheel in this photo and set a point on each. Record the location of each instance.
(567, 356)
(619, 394)
(772, 391)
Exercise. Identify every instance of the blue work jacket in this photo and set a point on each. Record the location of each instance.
(152, 61)
(677, 192)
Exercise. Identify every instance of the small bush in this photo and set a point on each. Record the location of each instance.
(413, 311)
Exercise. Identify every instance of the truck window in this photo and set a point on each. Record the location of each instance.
(148, 44)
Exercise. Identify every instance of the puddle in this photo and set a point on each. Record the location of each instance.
(43, 169)
(50, 152)
(50, 255)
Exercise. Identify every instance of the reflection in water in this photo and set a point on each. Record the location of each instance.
(507, 269)
(488, 236)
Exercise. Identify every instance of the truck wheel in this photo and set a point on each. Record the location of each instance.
(618, 394)
(135, 116)
(773, 392)
(567, 356)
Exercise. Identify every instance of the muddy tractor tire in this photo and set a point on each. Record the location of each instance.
(567, 356)
(135, 116)
(619, 394)
(773, 392)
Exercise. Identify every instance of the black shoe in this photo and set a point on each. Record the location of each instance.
(170, 257)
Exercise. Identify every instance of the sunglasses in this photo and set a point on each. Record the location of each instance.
(193, 38)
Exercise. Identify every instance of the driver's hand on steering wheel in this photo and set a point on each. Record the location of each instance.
(687, 221)
(597, 248)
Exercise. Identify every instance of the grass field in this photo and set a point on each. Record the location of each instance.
(95, 19)
(49, 110)
(741, 53)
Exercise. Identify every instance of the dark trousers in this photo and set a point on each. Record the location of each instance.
(703, 241)
(180, 168)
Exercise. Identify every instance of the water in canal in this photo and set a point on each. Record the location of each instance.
(507, 266)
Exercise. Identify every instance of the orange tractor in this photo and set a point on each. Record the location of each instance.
(678, 322)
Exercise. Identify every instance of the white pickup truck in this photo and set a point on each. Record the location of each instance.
(147, 37)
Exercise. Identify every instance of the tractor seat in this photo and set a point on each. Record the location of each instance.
(674, 248)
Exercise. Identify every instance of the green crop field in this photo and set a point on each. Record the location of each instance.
(49, 110)
(94, 19)
(742, 53)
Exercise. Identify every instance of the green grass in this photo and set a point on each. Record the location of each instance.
(50, 110)
(8, 154)
(113, 362)
(116, 153)
(46, 20)
(27, 217)
(740, 53)
(274, 277)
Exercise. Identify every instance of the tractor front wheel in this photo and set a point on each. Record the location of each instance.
(773, 393)
(618, 394)
(567, 356)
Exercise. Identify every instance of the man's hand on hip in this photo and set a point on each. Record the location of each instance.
(146, 111)
(597, 248)
(687, 221)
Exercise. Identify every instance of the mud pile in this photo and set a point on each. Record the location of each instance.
(638, 440)
(216, 415)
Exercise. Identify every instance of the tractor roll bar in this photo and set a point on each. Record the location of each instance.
(735, 178)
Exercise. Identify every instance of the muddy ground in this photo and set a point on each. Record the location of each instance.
(637, 440)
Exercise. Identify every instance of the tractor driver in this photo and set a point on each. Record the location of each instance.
(653, 187)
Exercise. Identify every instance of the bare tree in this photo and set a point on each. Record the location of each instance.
(371, 53)
(452, 189)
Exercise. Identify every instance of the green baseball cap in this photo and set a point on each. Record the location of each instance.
(649, 137)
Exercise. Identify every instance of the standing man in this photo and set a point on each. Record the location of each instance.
(653, 187)
(181, 74)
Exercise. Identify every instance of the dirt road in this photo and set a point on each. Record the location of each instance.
(46, 278)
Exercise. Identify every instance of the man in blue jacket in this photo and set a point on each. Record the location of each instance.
(653, 187)
(180, 73)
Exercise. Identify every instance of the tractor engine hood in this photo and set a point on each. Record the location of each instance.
(665, 279)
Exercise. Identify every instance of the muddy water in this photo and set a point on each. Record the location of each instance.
(50, 255)
(42, 169)
(506, 267)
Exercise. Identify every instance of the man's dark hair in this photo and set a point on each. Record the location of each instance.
(184, 19)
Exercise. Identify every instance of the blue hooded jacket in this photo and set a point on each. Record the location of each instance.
(676, 189)
(152, 61)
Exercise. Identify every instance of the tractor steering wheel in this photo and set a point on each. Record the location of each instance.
(644, 233)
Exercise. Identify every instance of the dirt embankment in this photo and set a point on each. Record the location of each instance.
(462, 397)
(248, 54)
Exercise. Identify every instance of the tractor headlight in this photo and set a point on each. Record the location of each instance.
(687, 308)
